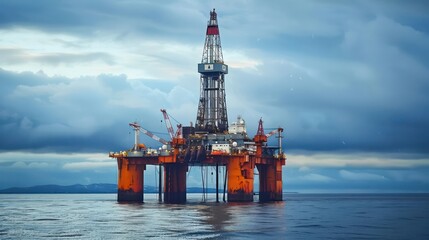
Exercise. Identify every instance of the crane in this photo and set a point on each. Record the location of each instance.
(260, 131)
(278, 130)
(261, 137)
(170, 127)
(168, 123)
(138, 128)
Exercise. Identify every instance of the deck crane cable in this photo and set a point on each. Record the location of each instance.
(174, 119)
(159, 133)
(170, 126)
(168, 123)
(135, 125)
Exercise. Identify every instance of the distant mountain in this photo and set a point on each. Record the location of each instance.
(76, 188)
(91, 188)
(200, 190)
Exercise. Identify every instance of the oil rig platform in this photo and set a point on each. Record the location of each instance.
(210, 142)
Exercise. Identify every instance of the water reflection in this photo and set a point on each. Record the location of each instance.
(217, 215)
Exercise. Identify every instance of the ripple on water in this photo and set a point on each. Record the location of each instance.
(47, 219)
(306, 217)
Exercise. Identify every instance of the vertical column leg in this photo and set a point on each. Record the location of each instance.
(270, 182)
(240, 179)
(263, 182)
(160, 183)
(130, 181)
(266, 182)
(278, 196)
(175, 183)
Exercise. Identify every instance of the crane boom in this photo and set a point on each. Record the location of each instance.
(274, 132)
(148, 133)
(153, 136)
(168, 123)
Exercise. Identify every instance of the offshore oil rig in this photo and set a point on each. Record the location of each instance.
(210, 142)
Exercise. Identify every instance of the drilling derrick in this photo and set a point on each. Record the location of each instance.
(212, 114)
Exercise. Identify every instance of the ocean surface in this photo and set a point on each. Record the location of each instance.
(299, 216)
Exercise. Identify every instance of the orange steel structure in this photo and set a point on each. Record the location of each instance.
(209, 143)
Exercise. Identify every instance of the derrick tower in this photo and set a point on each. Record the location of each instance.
(212, 114)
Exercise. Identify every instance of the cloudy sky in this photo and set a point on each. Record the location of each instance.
(348, 81)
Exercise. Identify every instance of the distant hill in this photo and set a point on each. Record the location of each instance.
(91, 188)
(76, 188)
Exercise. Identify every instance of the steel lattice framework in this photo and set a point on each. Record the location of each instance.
(212, 113)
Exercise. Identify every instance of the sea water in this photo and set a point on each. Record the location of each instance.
(299, 216)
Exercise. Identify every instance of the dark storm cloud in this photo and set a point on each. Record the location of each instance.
(45, 114)
(89, 18)
(362, 89)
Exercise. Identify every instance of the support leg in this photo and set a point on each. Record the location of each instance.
(270, 182)
(130, 181)
(160, 183)
(240, 179)
(175, 183)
